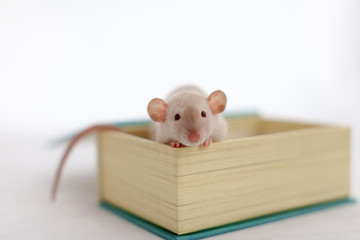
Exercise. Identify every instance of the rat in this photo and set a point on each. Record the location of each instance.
(188, 117)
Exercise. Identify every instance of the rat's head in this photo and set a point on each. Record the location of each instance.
(188, 118)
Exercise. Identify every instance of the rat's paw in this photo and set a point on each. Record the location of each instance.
(206, 143)
(176, 144)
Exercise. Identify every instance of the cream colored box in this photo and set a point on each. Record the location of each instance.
(263, 167)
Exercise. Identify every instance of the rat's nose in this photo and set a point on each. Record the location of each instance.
(194, 136)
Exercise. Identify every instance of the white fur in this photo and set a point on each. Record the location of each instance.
(189, 102)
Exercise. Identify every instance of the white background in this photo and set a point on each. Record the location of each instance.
(67, 64)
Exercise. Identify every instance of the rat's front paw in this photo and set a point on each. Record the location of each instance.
(176, 144)
(206, 143)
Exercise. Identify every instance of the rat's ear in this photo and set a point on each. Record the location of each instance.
(217, 101)
(157, 110)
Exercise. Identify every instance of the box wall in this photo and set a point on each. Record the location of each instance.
(271, 164)
(139, 175)
(183, 189)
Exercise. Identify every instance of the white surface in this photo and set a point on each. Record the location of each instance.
(68, 64)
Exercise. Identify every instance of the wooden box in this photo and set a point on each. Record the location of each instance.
(263, 167)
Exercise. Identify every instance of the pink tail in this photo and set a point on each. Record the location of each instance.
(72, 143)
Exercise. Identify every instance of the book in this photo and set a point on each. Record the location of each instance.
(166, 234)
(264, 167)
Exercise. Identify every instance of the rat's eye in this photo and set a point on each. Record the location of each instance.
(203, 114)
(177, 117)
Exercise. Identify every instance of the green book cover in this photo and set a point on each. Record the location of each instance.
(166, 234)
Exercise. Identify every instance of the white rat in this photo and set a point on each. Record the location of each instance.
(188, 117)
